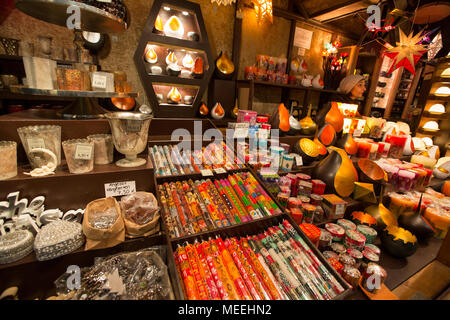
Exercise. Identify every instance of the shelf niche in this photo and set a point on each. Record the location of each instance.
(190, 15)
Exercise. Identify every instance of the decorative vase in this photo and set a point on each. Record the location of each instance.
(130, 134)
(371, 172)
(224, 66)
(414, 222)
(235, 111)
(197, 70)
(294, 126)
(327, 135)
(332, 115)
(280, 119)
(308, 125)
(317, 82)
(323, 151)
(79, 155)
(203, 110)
(382, 215)
(307, 149)
(338, 173)
(347, 143)
(398, 242)
(359, 217)
(217, 111)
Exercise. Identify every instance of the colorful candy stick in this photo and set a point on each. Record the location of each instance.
(201, 188)
(228, 202)
(255, 198)
(177, 161)
(248, 204)
(204, 247)
(198, 198)
(177, 265)
(170, 222)
(195, 207)
(228, 285)
(186, 207)
(321, 268)
(309, 270)
(284, 267)
(240, 199)
(285, 251)
(243, 214)
(213, 292)
(172, 167)
(216, 201)
(272, 203)
(172, 208)
(189, 282)
(275, 268)
(201, 289)
(242, 270)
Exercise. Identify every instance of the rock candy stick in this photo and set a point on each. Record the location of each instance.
(189, 282)
(233, 271)
(213, 292)
(199, 281)
(240, 265)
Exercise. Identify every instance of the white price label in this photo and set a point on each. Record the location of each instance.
(99, 81)
(298, 161)
(83, 152)
(220, 170)
(123, 188)
(107, 1)
(206, 173)
(134, 125)
(34, 143)
(340, 210)
(240, 133)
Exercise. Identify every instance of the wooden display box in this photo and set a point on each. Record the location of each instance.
(35, 279)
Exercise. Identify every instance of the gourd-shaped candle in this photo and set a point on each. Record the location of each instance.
(150, 54)
(188, 62)
(174, 27)
(174, 96)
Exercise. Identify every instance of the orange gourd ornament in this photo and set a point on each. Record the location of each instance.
(332, 116)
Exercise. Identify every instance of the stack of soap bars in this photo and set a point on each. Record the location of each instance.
(190, 207)
(276, 264)
(169, 161)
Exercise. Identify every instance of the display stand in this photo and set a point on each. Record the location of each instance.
(190, 16)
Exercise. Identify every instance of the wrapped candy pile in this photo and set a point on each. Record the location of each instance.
(405, 176)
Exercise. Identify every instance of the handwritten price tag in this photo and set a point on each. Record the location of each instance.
(298, 161)
(123, 188)
(206, 173)
(220, 170)
(34, 143)
(83, 152)
(99, 81)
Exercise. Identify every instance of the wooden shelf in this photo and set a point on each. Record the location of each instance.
(69, 93)
(434, 134)
(288, 86)
(443, 116)
(19, 58)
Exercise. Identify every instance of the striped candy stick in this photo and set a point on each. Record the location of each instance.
(248, 204)
(243, 214)
(195, 207)
(246, 191)
(199, 281)
(257, 282)
(224, 214)
(242, 270)
(205, 273)
(173, 209)
(240, 201)
(171, 189)
(264, 194)
(204, 210)
(310, 271)
(261, 202)
(320, 267)
(263, 271)
(204, 247)
(171, 224)
(228, 202)
(229, 287)
(186, 208)
(200, 187)
(233, 271)
(185, 267)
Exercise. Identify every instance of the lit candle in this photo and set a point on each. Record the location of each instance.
(364, 148)
(397, 145)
